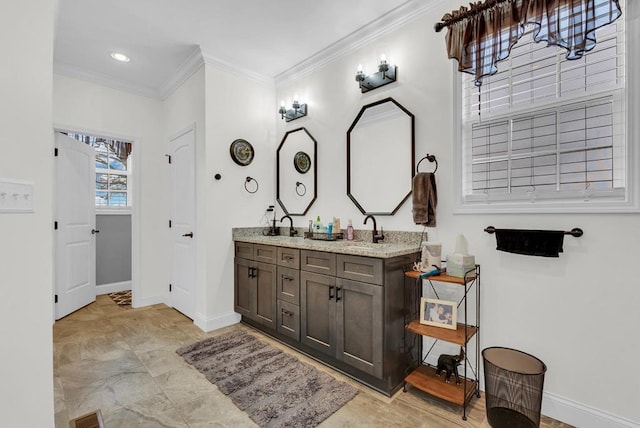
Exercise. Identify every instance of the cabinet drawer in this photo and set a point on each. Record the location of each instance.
(318, 262)
(244, 250)
(289, 257)
(289, 319)
(265, 253)
(289, 285)
(358, 268)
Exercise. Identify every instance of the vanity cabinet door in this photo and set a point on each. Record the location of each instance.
(318, 312)
(243, 284)
(265, 286)
(359, 325)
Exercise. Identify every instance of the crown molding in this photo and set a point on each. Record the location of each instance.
(192, 64)
(374, 30)
(104, 80)
(216, 62)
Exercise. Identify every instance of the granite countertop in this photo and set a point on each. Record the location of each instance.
(399, 243)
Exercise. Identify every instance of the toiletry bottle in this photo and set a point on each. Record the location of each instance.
(310, 226)
(336, 225)
(329, 230)
(349, 231)
(318, 224)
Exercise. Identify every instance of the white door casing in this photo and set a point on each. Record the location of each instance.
(182, 243)
(75, 245)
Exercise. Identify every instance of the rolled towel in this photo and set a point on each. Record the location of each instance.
(424, 198)
(544, 243)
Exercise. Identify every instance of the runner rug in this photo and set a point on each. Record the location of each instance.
(275, 389)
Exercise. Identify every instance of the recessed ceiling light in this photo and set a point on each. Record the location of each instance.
(120, 57)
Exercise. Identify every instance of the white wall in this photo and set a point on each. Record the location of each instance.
(26, 142)
(183, 109)
(92, 108)
(578, 313)
(236, 107)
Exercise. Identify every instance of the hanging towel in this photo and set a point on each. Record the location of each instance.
(544, 243)
(425, 199)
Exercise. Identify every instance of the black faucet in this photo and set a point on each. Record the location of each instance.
(292, 231)
(376, 238)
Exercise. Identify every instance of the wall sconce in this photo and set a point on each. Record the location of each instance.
(385, 75)
(296, 111)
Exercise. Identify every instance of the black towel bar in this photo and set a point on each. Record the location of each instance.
(430, 158)
(576, 231)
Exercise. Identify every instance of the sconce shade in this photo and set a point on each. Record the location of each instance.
(296, 111)
(385, 75)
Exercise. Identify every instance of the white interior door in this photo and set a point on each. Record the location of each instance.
(182, 230)
(75, 245)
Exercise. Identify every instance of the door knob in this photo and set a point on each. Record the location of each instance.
(189, 235)
(93, 231)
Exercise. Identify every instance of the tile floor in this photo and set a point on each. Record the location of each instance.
(123, 362)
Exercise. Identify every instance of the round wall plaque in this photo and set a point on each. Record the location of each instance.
(302, 162)
(241, 152)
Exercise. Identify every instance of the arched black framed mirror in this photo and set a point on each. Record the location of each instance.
(381, 157)
(297, 171)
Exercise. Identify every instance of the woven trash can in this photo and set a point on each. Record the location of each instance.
(513, 382)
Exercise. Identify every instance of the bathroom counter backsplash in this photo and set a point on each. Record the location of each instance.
(396, 243)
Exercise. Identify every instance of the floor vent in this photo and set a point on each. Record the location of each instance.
(90, 420)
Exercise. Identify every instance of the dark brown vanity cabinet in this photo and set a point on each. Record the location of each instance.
(255, 283)
(340, 317)
(344, 310)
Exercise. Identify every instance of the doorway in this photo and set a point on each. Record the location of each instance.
(182, 223)
(109, 260)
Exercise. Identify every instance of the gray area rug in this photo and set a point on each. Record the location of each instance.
(275, 389)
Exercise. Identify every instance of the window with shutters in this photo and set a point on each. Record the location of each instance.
(546, 133)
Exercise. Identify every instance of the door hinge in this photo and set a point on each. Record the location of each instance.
(169, 288)
(55, 299)
(55, 225)
(169, 158)
(55, 152)
(169, 224)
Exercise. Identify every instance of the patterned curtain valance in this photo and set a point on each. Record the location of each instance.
(483, 34)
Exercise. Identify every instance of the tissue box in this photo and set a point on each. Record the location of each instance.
(459, 264)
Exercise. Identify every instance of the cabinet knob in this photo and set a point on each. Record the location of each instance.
(330, 292)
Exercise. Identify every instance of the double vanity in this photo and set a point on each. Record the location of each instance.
(341, 302)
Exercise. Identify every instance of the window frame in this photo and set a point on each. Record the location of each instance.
(594, 202)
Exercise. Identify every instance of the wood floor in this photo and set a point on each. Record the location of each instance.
(123, 362)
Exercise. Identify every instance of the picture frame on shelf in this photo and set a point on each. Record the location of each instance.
(438, 313)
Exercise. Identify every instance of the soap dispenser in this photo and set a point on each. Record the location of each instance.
(350, 231)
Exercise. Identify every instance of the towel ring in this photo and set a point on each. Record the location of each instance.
(248, 180)
(430, 158)
(299, 185)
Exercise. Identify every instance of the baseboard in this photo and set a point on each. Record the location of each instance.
(216, 322)
(582, 416)
(114, 287)
(139, 302)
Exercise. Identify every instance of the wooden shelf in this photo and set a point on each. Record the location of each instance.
(453, 336)
(424, 378)
(442, 277)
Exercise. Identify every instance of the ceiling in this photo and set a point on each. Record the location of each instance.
(258, 37)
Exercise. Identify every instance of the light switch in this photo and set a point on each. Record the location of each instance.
(16, 196)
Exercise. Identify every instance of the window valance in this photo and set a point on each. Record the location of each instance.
(480, 36)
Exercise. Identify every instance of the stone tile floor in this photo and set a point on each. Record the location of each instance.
(123, 362)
